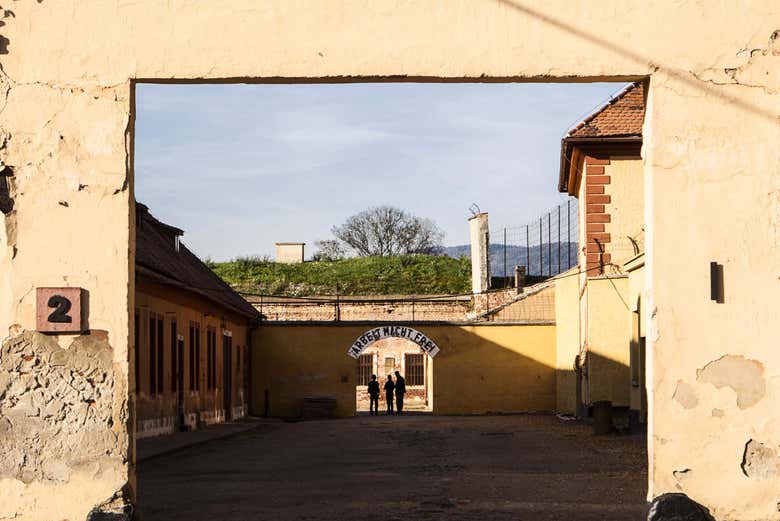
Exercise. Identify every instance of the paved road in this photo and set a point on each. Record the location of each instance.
(532, 468)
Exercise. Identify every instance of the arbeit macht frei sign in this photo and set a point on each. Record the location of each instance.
(374, 335)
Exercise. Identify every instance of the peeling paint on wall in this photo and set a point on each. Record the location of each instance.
(680, 476)
(744, 376)
(760, 461)
(56, 409)
(685, 395)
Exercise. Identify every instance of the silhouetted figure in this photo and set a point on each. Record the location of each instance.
(389, 387)
(373, 396)
(400, 390)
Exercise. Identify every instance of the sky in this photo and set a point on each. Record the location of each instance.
(240, 167)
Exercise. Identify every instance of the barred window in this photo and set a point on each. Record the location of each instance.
(415, 370)
(365, 364)
(194, 356)
(389, 365)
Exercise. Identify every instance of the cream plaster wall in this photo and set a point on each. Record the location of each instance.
(626, 189)
(712, 173)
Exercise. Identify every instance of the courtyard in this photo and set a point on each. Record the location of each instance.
(519, 467)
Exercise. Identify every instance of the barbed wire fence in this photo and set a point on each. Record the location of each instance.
(546, 246)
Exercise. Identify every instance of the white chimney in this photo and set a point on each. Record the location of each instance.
(480, 253)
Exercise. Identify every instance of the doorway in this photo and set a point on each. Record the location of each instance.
(382, 359)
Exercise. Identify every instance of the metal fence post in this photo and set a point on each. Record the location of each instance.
(337, 307)
(549, 244)
(527, 251)
(505, 254)
(541, 250)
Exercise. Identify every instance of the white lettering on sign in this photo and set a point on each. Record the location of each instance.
(376, 334)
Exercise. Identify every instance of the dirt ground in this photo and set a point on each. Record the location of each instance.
(485, 468)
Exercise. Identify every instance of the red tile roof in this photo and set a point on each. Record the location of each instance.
(156, 258)
(623, 115)
(614, 128)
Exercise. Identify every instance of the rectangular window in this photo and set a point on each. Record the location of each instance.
(389, 365)
(198, 374)
(194, 356)
(211, 358)
(208, 358)
(365, 364)
(137, 331)
(152, 354)
(247, 367)
(415, 369)
(214, 359)
(160, 354)
(227, 360)
(174, 360)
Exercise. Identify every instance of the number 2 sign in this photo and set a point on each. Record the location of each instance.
(58, 310)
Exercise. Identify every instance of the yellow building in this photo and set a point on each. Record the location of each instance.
(602, 167)
(192, 336)
(478, 368)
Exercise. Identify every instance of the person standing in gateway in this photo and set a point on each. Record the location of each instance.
(373, 396)
(400, 390)
(389, 386)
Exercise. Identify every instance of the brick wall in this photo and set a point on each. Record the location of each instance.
(492, 299)
(597, 214)
(384, 310)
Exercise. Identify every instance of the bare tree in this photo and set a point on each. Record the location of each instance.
(385, 230)
(328, 250)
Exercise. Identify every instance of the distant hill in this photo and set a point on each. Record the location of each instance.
(517, 256)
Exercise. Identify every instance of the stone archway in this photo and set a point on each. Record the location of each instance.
(382, 351)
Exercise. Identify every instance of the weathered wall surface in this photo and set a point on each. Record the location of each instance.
(479, 369)
(711, 148)
(58, 427)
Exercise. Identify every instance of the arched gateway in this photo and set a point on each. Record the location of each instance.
(376, 334)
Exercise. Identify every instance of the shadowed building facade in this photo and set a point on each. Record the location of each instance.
(192, 336)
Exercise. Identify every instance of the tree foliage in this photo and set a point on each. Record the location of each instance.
(328, 250)
(388, 231)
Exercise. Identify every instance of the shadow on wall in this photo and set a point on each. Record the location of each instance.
(599, 378)
(480, 368)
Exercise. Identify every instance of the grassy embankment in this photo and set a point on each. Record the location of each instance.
(412, 275)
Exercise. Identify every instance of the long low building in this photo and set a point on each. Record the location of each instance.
(192, 334)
